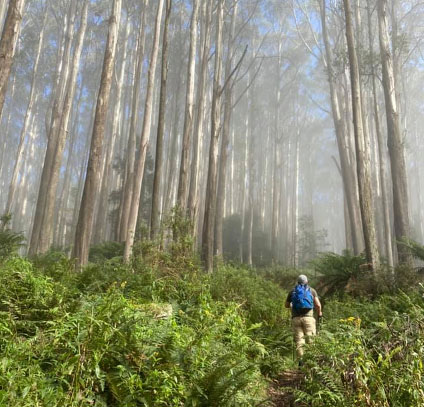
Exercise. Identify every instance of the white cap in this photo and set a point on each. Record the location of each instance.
(302, 279)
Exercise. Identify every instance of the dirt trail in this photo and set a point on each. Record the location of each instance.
(279, 391)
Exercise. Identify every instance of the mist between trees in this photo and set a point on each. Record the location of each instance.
(278, 128)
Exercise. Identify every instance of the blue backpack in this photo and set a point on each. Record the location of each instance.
(302, 298)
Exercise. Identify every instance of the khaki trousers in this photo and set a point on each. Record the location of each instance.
(303, 326)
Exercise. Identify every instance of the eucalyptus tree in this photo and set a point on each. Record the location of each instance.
(394, 137)
(158, 174)
(211, 184)
(91, 184)
(145, 136)
(127, 195)
(33, 96)
(362, 149)
(8, 43)
(184, 178)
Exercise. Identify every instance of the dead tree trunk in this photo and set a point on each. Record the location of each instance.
(85, 218)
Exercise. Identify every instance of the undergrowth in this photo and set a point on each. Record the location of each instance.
(161, 332)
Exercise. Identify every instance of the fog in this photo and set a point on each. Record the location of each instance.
(258, 147)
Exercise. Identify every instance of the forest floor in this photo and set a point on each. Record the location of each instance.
(281, 389)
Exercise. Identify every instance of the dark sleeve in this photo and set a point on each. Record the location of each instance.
(289, 295)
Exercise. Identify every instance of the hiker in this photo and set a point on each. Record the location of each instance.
(302, 300)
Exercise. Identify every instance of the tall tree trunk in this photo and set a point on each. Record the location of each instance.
(277, 146)
(131, 149)
(193, 198)
(210, 205)
(59, 137)
(145, 135)
(394, 138)
(362, 149)
(381, 151)
(349, 178)
(52, 125)
(156, 194)
(295, 229)
(102, 214)
(2, 14)
(188, 118)
(8, 43)
(85, 218)
(27, 119)
(228, 107)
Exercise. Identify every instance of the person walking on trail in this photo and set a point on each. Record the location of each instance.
(303, 300)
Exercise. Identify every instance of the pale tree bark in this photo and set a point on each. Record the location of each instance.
(381, 151)
(210, 201)
(394, 138)
(244, 181)
(28, 115)
(277, 166)
(131, 149)
(228, 107)
(8, 43)
(295, 229)
(103, 209)
(145, 135)
(59, 136)
(188, 118)
(2, 14)
(193, 197)
(4, 134)
(362, 149)
(251, 175)
(156, 195)
(85, 219)
(348, 174)
(52, 125)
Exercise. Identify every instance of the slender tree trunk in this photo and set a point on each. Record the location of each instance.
(131, 150)
(101, 220)
(85, 219)
(349, 179)
(183, 185)
(210, 206)
(277, 146)
(145, 135)
(27, 119)
(8, 43)
(59, 138)
(228, 106)
(394, 138)
(156, 204)
(2, 14)
(362, 149)
(52, 126)
(381, 152)
(193, 199)
(296, 203)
